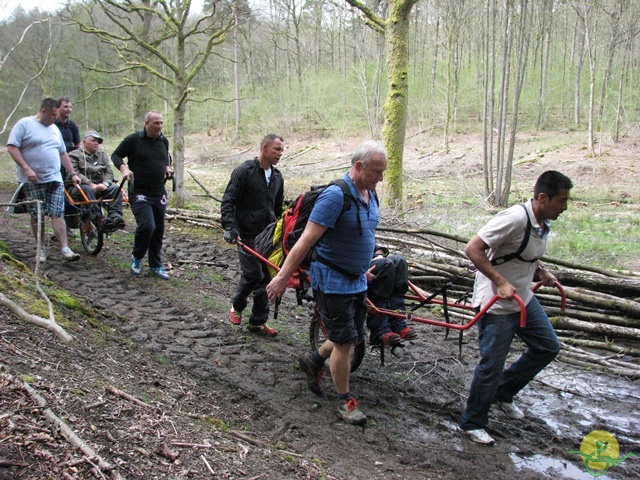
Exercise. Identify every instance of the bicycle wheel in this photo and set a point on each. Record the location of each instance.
(92, 239)
(318, 335)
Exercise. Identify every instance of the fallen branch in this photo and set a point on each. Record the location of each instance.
(566, 358)
(607, 345)
(594, 328)
(118, 393)
(67, 432)
(49, 324)
(298, 154)
(232, 154)
(592, 357)
(198, 262)
(191, 445)
(247, 439)
(209, 194)
(207, 465)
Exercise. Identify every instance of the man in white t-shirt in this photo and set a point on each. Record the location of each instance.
(35, 144)
(505, 268)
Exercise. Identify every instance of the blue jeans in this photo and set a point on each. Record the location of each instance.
(490, 383)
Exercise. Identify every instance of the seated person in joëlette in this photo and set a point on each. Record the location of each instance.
(388, 282)
(94, 169)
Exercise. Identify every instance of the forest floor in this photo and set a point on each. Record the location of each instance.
(212, 400)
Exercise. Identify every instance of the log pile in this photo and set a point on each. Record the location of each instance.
(600, 327)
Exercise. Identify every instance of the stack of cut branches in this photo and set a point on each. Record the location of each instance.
(600, 327)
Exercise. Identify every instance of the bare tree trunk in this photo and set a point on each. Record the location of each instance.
(488, 116)
(521, 65)
(396, 104)
(434, 67)
(504, 100)
(236, 75)
(142, 94)
(579, 59)
(548, 23)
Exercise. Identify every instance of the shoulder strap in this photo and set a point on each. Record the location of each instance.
(346, 192)
(163, 138)
(349, 198)
(523, 244)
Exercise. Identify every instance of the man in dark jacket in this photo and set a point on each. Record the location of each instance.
(149, 164)
(252, 200)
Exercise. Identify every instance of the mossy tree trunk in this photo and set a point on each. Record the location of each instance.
(396, 31)
(396, 104)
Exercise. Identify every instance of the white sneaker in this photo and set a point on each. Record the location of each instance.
(43, 254)
(479, 436)
(511, 410)
(68, 255)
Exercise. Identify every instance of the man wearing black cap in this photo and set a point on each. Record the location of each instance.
(93, 167)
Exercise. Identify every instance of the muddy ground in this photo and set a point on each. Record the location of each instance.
(215, 401)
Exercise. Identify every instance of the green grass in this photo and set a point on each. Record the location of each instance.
(606, 236)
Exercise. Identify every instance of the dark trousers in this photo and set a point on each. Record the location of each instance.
(387, 291)
(253, 280)
(149, 213)
(112, 191)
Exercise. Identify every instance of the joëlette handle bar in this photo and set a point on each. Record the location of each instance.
(84, 199)
(523, 315)
(563, 295)
(257, 255)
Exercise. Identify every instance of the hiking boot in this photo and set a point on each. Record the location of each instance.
(314, 373)
(235, 317)
(104, 225)
(511, 410)
(136, 265)
(68, 255)
(160, 272)
(263, 329)
(116, 221)
(389, 338)
(348, 412)
(480, 436)
(408, 333)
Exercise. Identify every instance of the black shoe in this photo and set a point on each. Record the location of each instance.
(117, 221)
(108, 225)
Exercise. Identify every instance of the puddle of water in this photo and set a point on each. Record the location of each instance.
(553, 468)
